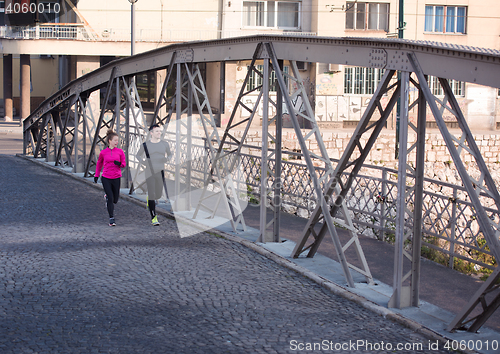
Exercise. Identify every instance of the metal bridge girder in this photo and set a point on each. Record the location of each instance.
(337, 186)
(101, 123)
(163, 99)
(410, 184)
(67, 135)
(222, 177)
(228, 141)
(135, 140)
(308, 155)
(84, 120)
(231, 146)
(183, 134)
(485, 185)
(484, 301)
(270, 182)
(48, 135)
(134, 126)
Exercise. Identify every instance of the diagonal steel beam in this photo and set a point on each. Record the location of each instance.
(80, 132)
(487, 309)
(228, 194)
(162, 99)
(489, 228)
(40, 138)
(134, 117)
(100, 121)
(492, 190)
(230, 125)
(335, 185)
(52, 140)
(68, 145)
(490, 233)
(323, 205)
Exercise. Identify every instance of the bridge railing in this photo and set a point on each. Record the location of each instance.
(451, 233)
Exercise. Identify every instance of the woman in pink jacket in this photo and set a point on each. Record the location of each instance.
(111, 160)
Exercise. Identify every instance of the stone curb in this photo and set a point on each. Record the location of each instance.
(327, 284)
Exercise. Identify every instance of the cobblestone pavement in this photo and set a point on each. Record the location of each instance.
(69, 283)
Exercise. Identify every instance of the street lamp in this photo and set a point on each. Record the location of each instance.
(132, 26)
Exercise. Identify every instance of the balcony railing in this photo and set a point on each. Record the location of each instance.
(85, 33)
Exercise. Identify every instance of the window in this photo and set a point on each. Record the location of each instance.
(275, 14)
(361, 81)
(51, 12)
(255, 80)
(367, 16)
(146, 84)
(2, 13)
(445, 19)
(458, 87)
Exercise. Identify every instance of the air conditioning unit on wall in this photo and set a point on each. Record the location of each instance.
(334, 68)
(302, 65)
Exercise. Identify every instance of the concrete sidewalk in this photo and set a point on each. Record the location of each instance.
(444, 291)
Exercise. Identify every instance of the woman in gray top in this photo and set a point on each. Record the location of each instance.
(157, 154)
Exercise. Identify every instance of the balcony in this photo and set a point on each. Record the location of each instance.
(81, 32)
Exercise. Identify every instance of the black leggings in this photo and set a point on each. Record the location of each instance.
(112, 189)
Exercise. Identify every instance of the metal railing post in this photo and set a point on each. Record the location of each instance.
(383, 207)
(453, 227)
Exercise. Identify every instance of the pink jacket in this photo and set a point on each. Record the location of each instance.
(106, 162)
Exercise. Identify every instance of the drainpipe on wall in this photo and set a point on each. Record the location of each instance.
(161, 21)
(220, 15)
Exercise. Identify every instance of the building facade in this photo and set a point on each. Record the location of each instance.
(342, 92)
(70, 38)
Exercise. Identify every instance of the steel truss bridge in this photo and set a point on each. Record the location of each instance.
(64, 129)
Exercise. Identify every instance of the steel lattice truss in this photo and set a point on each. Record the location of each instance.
(68, 131)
